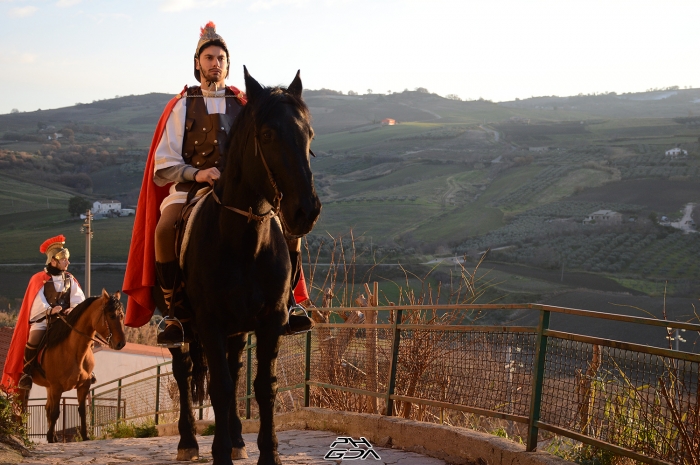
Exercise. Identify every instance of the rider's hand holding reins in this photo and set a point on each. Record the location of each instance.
(208, 175)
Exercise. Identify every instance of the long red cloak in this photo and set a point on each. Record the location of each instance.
(140, 276)
(14, 363)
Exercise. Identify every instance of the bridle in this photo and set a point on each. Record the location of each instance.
(276, 201)
(98, 337)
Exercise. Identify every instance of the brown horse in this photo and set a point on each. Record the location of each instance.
(68, 361)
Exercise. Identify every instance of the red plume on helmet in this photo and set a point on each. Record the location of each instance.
(202, 30)
(44, 247)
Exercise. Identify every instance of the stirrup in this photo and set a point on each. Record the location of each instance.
(300, 311)
(160, 330)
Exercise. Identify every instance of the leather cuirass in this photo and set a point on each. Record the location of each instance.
(206, 136)
(53, 297)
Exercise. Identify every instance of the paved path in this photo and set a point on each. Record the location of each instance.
(295, 447)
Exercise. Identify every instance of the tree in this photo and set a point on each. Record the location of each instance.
(77, 206)
(453, 97)
(352, 92)
(369, 91)
(14, 110)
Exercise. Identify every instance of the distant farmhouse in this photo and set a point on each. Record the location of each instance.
(604, 217)
(676, 152)
(388, 122)
(105, 207)
(102, 208)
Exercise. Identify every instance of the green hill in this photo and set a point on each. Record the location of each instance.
(450, 177)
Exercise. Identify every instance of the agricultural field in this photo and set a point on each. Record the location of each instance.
(449, 178)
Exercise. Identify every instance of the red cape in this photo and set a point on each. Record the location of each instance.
(140, 276)
(14, 363)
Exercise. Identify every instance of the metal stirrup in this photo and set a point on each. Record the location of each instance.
(159, 331)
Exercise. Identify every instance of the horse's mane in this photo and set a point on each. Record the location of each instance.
(59, 331)
(255, 113)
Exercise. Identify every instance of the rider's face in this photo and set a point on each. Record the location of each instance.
(61, 264)
(212, 66)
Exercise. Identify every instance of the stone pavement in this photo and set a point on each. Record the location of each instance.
(296, 448)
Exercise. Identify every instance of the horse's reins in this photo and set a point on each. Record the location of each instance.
(98, 337)
(274, 211)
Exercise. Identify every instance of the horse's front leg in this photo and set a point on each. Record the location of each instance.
(235, 352)
(222, 395)
(187, 448)
(53, 410)
(265, 384)
(83, 391)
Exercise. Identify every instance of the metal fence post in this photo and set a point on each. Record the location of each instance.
(537, 381)
(394, 363)
(248, 376)
(307, 370)
(92, 411)
(157, 392)
(64, 419)
(119, 398)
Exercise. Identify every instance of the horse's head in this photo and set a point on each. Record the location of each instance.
(282, 134)
(112, 329)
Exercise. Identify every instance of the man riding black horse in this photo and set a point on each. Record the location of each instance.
(185, 157)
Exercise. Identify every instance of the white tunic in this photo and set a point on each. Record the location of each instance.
(169, 150)
(41, 305)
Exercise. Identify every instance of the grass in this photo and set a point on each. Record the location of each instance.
(352, 141)
(650, 288)
(19, 196)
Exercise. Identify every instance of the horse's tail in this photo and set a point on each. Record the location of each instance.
(199, 385)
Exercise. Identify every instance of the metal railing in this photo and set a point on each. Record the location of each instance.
(635, 400)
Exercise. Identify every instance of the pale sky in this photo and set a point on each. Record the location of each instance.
(55, 53)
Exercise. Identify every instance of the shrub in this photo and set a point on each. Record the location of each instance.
(146, 430)
(12, 421)
(209, 430)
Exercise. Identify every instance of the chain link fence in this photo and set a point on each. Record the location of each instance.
(634, 400)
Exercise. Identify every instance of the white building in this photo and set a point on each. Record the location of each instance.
(676, 152)
(604, 217)
(105, 207)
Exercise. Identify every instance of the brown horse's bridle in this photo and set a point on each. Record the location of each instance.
(98, 337)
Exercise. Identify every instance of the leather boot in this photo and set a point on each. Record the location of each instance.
(299, 320)
(167, 273)
(25, 382)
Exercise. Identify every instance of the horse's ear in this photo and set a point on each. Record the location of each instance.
(252, 87)
(118, 295)
(105, 294)
(295, 87)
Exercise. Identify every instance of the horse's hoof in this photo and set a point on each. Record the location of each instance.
(269, 459)
(238, 453)
(187, 455)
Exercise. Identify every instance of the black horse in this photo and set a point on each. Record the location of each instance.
(237, 267)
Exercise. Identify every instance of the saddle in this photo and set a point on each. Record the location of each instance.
(183, 226)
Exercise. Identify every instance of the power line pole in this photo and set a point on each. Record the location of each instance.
(87, 230)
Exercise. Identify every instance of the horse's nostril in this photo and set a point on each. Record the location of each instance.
(121, 345)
